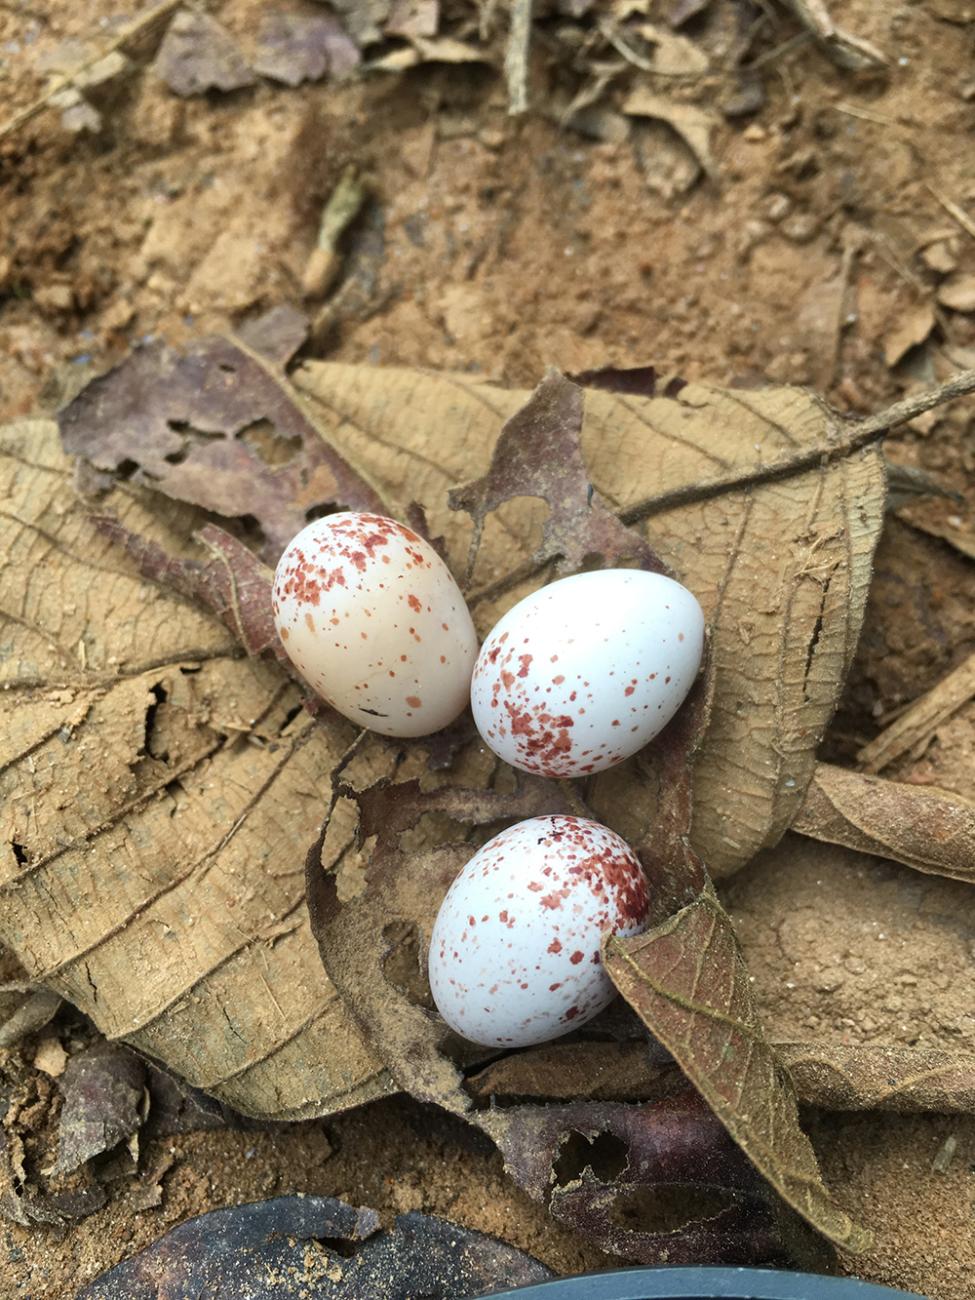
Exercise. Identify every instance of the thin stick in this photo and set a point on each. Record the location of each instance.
(135, 28)
(516, 56)
(953, 210)
(911, 407)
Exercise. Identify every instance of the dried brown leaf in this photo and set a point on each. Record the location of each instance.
(276, 334)
(295, 1247)
(687, 980)
(694, 125)
(216, 426)
(155, 784)
(764, 503)
(910, 328)
(197, 54)
(842, 1076)
(926, 828)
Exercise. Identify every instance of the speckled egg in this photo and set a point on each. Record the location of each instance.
(582, 673)
(514, 955)
(373, 620)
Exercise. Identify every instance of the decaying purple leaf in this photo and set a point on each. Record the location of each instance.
(217, 426)
(316, 1247)
(234, 585)
(539, 454)
(297, 47)
(197, 54)
(104, 1095)
(655, 1183)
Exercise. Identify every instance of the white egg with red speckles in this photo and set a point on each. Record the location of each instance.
(584, 672)
(372, 618)
(515, 950)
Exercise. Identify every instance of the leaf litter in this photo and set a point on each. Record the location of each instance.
(445, 1083)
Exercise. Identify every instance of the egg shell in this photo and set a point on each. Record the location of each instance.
(514, 954)
(373, 620)
(584, 672)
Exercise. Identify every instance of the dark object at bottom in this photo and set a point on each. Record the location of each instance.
(703, 1284)
(315, 1248)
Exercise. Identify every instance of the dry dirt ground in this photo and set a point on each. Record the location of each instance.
(498, 245)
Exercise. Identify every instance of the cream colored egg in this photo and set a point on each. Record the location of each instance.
(373, 620)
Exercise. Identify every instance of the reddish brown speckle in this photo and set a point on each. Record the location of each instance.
(576, 957)
(414, 604)
(525, 661)
(414, 701)
(555, 946)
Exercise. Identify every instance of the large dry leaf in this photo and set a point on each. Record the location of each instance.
(158, 790)
(763, 503)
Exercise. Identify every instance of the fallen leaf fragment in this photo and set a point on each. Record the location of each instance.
(297, 47)
(958, 293)
(151, 774)
(216, 426)
(693, 124)
(276, 334)
(300, 1246)
(911, 328)
(50, 1057)
(197, 54)
(926, 828)
(103, 1090)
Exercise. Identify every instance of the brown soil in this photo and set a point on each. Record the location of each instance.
(503, 246)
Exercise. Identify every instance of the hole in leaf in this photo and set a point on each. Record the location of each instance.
(159, 696)
(20, 853)
(402, 966)
(125, 469)
(289, 717)
(669, 1207)
(319, 511)
(338, 1246)
(177, 457)
(604, 1153)
(183, 426)
(272, 447)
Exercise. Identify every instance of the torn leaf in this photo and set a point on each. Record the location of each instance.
(216, 426)
(538, 454)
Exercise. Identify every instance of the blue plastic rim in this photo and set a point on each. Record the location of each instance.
(703, 1284)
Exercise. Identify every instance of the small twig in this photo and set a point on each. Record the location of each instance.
(516, 56)
(134, 28)
(873, 426)
(867, 115)
(953, 210)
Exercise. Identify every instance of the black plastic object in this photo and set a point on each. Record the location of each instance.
(703, 1284)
